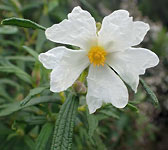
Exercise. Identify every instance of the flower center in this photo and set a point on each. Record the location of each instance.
(97, 55)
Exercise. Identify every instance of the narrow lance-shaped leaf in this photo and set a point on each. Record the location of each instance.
(17, 71)
(107, 111)
(31, 51)
(21, 58)
(10, 108)
(44, 136)
(33, 92)
(10, 82)
(92, 123)
(8, 30)
(62, 138)
(41, 38)
(29, 142)
(132, 107)
(149, 92)
(22, 23)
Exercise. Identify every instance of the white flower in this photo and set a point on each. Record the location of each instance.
(110, 48)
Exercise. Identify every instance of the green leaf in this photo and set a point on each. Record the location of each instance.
(91, 9)
(4, 130)
(29, 6)
(21, 58)
(132, 107)
(32, 92)
(5, 43)
(149, 92)
(30, 143)
(41, 38)
(8, 109)
(5, 7)
(22, 23)
(62, 138)
(8, 30)
(4, 94)
(107, 111)
(92, 122)
(35, 120)
(44, 136)
(31, 52)
(16, 70)
(99, 143)
(9, 82)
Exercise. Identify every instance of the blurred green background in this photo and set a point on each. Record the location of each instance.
(20, 71)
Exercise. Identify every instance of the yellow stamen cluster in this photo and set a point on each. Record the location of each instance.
(97, 55)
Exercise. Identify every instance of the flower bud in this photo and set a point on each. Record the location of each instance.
(79, 87)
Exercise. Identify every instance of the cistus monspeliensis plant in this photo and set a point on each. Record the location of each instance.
(90, 71)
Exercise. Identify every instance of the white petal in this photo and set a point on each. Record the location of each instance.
(51, 58)
(78, 30)
(93, 102)
(131, 63)
(138, 32)
(118, 31)
(105, 86)
(67, 65)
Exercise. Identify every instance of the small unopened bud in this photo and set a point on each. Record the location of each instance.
(79, 87)
(20, 132)
(82, 108)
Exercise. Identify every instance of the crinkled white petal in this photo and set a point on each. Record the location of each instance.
(119, 32)
(93, 103)
(131, 63)
(67, 65)
(138, 32)
(51, 58)
(105, 86)
(78, 30)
